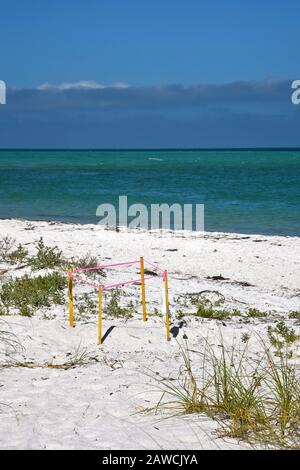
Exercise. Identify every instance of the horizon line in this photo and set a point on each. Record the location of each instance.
(147, 149)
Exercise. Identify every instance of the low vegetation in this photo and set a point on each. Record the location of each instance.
(86, 306)
(9, 343)
(206, 308)
(46, 257)
(253, 397)
(282, 337)
(11, 254)
(80, 357)
(114, 309)
(26, 294)
(6, 245)
(294, 315)
(255, 313)
(88, 261)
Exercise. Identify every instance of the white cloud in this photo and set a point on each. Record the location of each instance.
(81, 85)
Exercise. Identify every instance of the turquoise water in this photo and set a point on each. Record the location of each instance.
(243, 191)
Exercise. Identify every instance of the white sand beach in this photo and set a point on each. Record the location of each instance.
(101, 404)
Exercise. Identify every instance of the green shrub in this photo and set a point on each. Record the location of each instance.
(114, 309)
(245, 337)
(87, 261)
(46, 257)
(6, 245)
(87, 306)
(156, 312)
(180, 314)
(19, 255)
(235, 312)
(255, 313)
(294, 315)
(29, 293)
(196, 300)
(281, 338)
(9, 255)
(204, 311)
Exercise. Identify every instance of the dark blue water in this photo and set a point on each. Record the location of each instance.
(253, 191)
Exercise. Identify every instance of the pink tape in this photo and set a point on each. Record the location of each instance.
(125, 283)
(111, 286)
(106, 266)
(154, 266)
(84, 281)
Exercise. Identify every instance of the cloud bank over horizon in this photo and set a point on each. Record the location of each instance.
(89, 114)
(91, 94)
(81, 85)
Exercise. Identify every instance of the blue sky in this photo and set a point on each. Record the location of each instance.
(147, 45)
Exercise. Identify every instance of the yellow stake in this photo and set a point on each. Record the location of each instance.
(143, 288)
(70, 289)
(100, 291)
(167, 305)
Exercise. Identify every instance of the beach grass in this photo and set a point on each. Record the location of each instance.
(255, 399)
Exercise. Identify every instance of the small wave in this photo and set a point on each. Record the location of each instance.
(156, 159)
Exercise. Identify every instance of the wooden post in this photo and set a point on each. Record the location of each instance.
(70, 294)
(143, 288)
(165, 278)
(100, 295)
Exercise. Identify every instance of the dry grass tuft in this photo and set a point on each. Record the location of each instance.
(78, 358)
(253, 398)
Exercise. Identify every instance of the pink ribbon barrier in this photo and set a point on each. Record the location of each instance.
(125, 283)
(94, 268)
(111, 286)
(155, 266)
(85, 281)
(73, 274)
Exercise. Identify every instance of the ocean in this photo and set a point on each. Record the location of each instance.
(244, 191)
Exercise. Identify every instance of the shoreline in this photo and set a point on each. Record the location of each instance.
(121, 228)
(263, 262)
